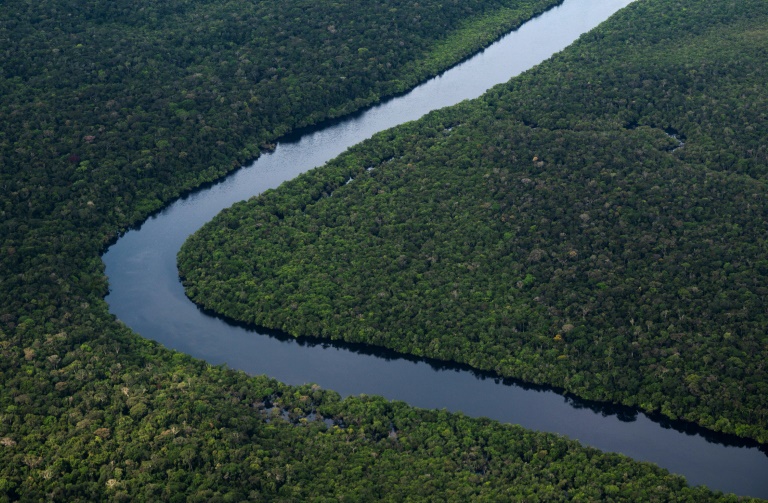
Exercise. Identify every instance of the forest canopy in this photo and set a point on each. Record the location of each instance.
(597, 224)
(108, 110)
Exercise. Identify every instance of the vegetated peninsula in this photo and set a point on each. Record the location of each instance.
(597, 224)
(110, 109)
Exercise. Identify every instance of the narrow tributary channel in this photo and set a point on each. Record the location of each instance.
(147, 296)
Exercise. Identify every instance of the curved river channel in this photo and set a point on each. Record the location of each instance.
(147, 296)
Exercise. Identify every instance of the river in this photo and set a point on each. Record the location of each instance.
(145, 292)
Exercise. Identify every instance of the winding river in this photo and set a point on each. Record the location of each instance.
(147, 296)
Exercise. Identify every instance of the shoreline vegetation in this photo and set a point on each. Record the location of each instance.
(554, 230)
(110, 110)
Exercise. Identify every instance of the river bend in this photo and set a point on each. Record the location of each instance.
(147, 296)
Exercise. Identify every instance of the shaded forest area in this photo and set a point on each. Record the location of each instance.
(108, 110)
(597, 224)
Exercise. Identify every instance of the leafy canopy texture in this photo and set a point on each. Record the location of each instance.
(110, 109)
(597, 224)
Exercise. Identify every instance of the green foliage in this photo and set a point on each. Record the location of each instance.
(109, 110)
(217, 435)
(552, 231)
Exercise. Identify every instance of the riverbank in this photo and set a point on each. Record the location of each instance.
(148, 291)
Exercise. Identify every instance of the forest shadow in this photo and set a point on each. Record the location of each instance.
(623, 413)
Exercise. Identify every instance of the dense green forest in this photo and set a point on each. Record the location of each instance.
(206, 434)
(108, 110)
(597, 224)
(126, 104)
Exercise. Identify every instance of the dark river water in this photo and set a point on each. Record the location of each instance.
(147, 296)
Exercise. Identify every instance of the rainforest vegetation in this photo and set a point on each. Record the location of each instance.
(108, 110)
(597, 224)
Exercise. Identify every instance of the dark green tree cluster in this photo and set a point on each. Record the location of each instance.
(109, 427)
(116, 107)
(110, 109)
(597, 224)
